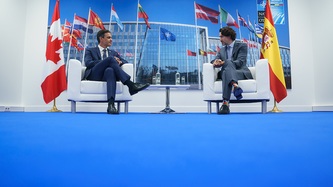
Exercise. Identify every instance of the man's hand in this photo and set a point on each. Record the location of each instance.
(118, 60)
(218, 63)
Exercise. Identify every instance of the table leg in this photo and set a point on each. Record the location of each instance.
(167, 108)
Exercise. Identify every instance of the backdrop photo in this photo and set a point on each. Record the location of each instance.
(245, 17)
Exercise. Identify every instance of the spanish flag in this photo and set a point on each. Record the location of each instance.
(270, 51)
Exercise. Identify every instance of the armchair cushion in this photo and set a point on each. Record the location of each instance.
(248, 86)
(97, 87)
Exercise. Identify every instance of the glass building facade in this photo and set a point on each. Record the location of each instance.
(153, 54)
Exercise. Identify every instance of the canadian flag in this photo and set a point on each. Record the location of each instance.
(54, 77)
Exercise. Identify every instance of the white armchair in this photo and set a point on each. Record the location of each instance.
(79, 90)
(254, 90)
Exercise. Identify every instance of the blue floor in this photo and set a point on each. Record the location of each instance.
(166, 150)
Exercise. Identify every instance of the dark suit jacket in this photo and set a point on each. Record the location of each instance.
(93, 56)
(238, 57)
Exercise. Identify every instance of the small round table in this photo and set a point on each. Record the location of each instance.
(167, 109)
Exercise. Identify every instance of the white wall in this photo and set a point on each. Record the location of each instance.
(12, 17)
(23, 57)
(34, 53)
(322, 31)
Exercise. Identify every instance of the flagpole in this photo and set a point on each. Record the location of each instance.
(220, 16)
(69, 46)
(140, 55)
(186, 66)
(249, 26)
(85, 39)
(136, 39)
(239, 28)
(255, 32)
(159, 49)
(54, 108)
(110, 17)
(208, 56)
(63, 34)
(70, 41)
(197, 47)
(249, 49)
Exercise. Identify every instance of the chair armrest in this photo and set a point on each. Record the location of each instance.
(208, 74)
(262, 78)
(74, 73)
(128, 68)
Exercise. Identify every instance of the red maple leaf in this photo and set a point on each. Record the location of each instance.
(52, 48)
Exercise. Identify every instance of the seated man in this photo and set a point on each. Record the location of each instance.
(232, 59)
(104, 64)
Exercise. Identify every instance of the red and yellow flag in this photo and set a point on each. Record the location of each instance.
(270, 51)
(95, 20)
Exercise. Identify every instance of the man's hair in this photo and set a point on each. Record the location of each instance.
(228, 31)
(101, 34)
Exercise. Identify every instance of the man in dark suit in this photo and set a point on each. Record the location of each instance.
(104, 64)
(232, 59)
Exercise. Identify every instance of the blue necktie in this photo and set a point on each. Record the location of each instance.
(104, 54)
(226, 51)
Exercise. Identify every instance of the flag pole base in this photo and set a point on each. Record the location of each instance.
(54, 108)
(275, 108)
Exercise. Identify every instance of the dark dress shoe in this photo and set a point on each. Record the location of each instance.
(137, 87)
(224, 110)
(238, 93)
(112, 110)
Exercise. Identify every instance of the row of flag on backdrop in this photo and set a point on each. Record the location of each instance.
(54, 77)
(206, 13)
(202, 12)
(71, 33)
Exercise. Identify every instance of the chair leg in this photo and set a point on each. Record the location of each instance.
(73, 106)
(209, 107)
(118, 106)
(126, 107)
(217, 107)
(264, 106)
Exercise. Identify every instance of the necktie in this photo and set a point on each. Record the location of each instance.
(104, 54)
(226, 51)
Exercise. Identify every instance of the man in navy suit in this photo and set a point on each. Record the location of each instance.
(232, 59)
(104, 64)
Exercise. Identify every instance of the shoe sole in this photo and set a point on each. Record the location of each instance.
(223, 112)
(113, 112)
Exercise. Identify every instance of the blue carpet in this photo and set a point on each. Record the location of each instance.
(166, 150)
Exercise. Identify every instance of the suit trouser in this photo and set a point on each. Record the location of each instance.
(229, 74)
(109, 70)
